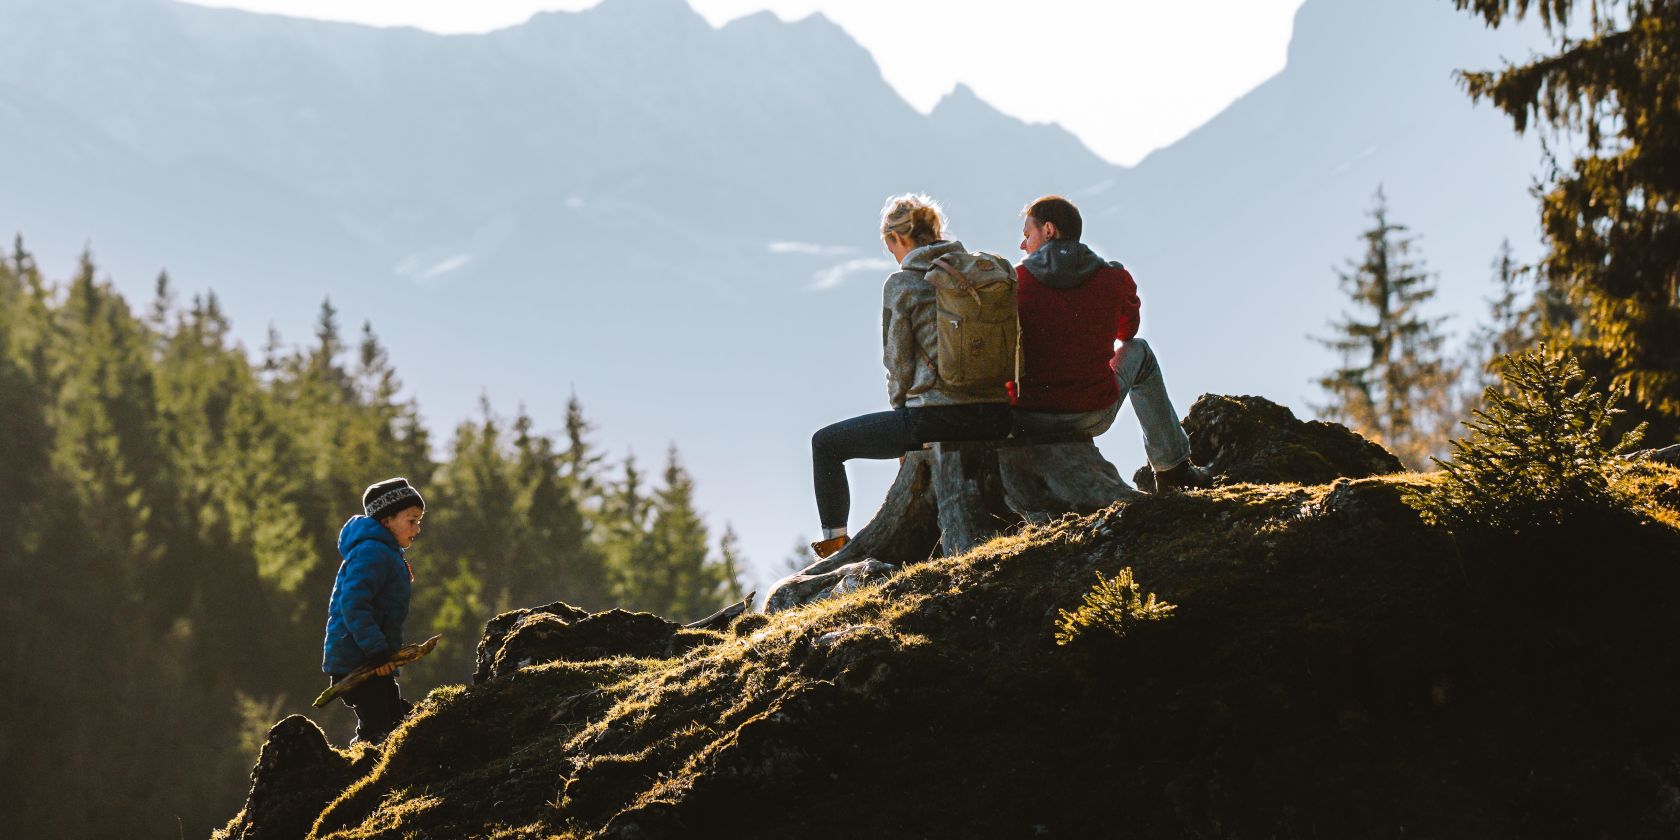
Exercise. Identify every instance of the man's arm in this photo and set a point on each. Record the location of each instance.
(1131, 315)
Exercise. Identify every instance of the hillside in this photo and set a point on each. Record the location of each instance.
(1334, 665)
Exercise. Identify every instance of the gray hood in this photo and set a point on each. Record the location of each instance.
(922, 258)
(1063, 263)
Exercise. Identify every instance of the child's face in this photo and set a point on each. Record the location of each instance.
(405, 525)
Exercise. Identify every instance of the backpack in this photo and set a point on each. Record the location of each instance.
(979, 334)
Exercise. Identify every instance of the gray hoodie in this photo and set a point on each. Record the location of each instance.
(1064, 263)
(910, 334)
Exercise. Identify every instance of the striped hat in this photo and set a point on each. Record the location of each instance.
(389, 497)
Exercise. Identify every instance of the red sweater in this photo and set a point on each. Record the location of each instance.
(1067, 340)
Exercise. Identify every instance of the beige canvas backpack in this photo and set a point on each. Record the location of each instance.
(979, 335)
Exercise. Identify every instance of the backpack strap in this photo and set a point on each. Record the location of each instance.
(963, 282)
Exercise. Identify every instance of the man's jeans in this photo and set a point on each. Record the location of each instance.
(1140, 377)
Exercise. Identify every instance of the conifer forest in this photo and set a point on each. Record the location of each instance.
(171, 498)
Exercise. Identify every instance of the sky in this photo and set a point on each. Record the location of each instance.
(1126, 76)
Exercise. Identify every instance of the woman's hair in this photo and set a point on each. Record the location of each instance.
(915, 217)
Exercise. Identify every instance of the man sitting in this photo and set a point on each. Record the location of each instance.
(1073, 307)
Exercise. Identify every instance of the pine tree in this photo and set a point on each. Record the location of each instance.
(568, 566)
(1610, 216)
(1538, 453)
(731, 566)
(1395, 383)
(798, 557)
(670, 571)
(1511, 328)
(581, 464)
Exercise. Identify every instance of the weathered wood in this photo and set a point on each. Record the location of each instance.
(969, 493)
(1046, 478)
(904, 530)
(722, 618)
(804, 588)
(403, 656)
(951, 497)
(906, 527)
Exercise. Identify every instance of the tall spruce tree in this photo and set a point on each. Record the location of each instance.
(1511, 326)
(1395, 383)
(564, 563)
(731, 566)
(1611, 216)
(671, 571)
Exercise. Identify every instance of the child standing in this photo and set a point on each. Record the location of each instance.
(370, 602)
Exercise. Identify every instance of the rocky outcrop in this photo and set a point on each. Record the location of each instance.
(563, 633)
(296, 775)
(497, 629)
(1336, 664)
(1241, 440)
(1256, 441)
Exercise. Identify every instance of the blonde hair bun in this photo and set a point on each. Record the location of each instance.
(915, 217)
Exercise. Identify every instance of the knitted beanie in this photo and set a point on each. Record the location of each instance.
(390, 497)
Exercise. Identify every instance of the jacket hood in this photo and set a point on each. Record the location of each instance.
(922, 258)
(1063, 263)
(360, 529)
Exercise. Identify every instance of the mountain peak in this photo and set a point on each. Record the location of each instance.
(962, 100)
(663, 13)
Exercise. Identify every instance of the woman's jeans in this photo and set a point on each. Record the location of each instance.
(1140, 377)
(889, 434)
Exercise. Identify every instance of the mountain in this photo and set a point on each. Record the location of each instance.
(679, 222)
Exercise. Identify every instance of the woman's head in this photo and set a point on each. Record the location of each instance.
(910, 221)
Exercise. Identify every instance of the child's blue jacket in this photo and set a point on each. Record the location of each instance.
(369, 598)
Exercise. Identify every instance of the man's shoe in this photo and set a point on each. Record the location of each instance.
(1185, 476)
(826, 548)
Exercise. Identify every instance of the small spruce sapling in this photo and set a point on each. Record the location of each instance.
(1537, 451)
(1112, 606)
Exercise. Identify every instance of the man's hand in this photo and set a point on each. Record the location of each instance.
(385, 670)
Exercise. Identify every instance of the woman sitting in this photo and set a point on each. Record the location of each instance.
(932, 398)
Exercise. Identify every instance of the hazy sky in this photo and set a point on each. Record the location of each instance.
(1127, 76)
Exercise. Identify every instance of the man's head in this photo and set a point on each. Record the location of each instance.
(395, 504)
(1051, 217)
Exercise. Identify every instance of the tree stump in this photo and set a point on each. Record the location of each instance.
(953, 496)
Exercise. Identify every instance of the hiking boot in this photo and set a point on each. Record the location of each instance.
(1185, 476)
(826, 548)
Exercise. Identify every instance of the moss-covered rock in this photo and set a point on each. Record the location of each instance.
(1253, 440)
(1336, 665)
(296, 775)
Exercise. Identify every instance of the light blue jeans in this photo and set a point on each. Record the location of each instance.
(1164, 441)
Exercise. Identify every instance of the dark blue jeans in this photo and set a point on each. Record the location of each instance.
(378, 704)
(889, 434)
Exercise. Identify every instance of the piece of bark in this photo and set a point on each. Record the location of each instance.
(1045, 479)
(904, 530)
(969, 492)
(722, 618)
(403, 656)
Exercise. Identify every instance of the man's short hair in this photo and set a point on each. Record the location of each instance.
(1059, 212)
